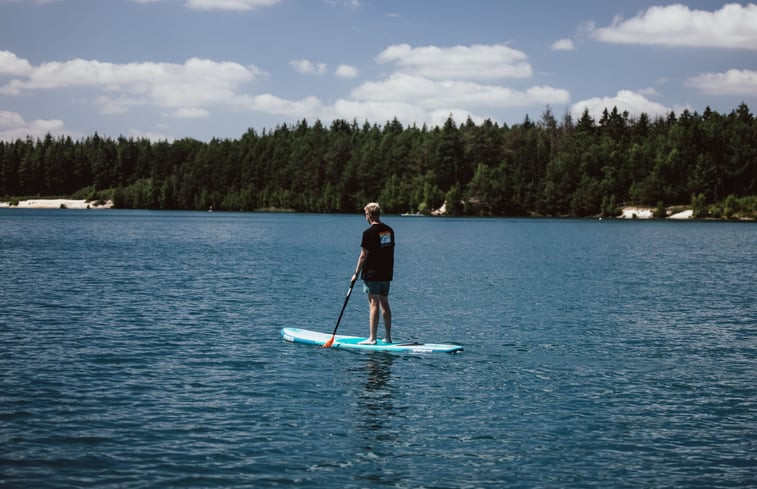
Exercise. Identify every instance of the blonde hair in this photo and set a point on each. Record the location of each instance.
(373, 209)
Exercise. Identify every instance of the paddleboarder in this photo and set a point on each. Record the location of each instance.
(375, 265)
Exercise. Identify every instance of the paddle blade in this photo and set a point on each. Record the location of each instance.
(330, 342)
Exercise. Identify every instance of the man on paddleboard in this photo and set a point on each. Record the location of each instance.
(376, 262)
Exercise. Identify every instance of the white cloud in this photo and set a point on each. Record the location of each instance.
(426, 86)
(13, 126)
(432, 94)
(624, 100)
(476, 62)
(309, 107)
(307, 67)
(649, 92)
(189, 88)
(431, 83)
(732, 82)
(10, 119)
(563, 45)
(190, 113)
(237, 5)
(377, 111)
(405, 112)
(12, 65)
(415, 99)
(229, 4)
(346, 71)
(119, 104)
(152, 136)
(733, 26)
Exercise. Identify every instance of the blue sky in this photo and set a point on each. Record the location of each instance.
(168, 69)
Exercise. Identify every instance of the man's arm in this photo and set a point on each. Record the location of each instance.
(360, 262)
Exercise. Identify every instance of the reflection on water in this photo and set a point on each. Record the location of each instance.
(375, 403)
(376, 419)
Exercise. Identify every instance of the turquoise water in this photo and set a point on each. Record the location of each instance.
(142, 349)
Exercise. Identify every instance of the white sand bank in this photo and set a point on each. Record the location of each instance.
(637, 213)
(687, 214)
(648, 213)
(57, 204)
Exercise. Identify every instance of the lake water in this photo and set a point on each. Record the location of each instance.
(142, 350)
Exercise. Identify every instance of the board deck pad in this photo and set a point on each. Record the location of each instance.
(307, 337)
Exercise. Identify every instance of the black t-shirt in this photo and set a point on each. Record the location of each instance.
(379, 241)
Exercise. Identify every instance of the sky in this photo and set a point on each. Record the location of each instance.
(204, 69)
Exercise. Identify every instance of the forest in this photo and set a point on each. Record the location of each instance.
(549, 167)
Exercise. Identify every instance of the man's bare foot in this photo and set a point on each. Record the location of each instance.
(367, 342)
(388, 340)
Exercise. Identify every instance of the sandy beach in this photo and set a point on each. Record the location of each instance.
(637, 213)
(57, 204)
(648, 213)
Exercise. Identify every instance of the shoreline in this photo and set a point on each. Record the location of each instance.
(628, 212)
(75, 204)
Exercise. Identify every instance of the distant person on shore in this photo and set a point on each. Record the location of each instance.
(376, 262)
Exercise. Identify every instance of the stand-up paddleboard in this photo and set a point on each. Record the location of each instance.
(304, 336)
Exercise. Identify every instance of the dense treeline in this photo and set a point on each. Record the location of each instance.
(549, 167)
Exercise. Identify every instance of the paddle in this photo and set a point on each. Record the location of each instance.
(333, 335)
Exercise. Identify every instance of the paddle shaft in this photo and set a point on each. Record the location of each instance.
(349, 292)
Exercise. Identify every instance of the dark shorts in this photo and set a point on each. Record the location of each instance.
(376, 287)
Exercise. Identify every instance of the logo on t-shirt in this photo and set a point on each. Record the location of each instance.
(385, 238)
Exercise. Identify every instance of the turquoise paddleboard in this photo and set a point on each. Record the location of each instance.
(304, 336)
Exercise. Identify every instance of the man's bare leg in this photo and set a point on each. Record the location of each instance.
(375, 306)
(386, 313)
